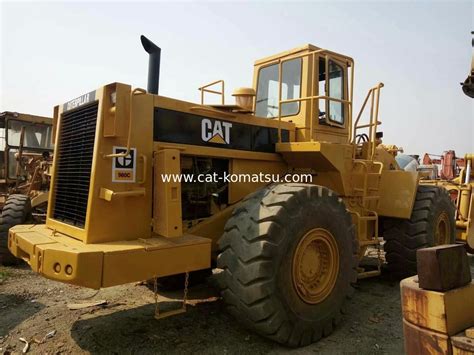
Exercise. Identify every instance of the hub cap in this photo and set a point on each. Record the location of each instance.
(315, 265)
(442, 231)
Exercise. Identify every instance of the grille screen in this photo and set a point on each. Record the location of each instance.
(74, 163)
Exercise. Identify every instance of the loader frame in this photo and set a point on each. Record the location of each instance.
(107, 239)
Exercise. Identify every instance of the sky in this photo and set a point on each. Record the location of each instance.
(52, 52)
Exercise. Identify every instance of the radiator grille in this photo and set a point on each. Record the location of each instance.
(74, 163)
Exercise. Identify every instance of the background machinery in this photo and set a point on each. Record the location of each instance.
(457, 177)
(446, 166)
(288, 252)
(468, 84)
(25, 160)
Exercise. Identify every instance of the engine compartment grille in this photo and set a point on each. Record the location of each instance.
(74, 163)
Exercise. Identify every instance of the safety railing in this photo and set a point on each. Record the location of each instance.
(374, 96)
(206, 87)
(313, 64)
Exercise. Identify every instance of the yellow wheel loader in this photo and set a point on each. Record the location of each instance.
(25, 159)
(281, 192)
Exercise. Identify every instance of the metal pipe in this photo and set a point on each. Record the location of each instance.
(280, 78)
(468, 172)
(314, 74)
(326, 89)
(352, 65)
(153, 64)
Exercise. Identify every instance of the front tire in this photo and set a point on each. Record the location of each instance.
(289, 256)
(17, 210)
(431, 223)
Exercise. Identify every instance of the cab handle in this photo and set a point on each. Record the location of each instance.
(108, 195)
(144, 169)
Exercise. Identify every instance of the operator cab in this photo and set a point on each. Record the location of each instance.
(313, 92)
(30, 134)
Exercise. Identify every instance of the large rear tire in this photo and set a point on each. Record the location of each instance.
(17, 210)
(431, 223)
(289, 256)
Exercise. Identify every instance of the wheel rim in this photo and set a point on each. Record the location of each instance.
(315, 265)
(442, 229)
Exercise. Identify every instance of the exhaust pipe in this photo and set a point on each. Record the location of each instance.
(153, 64)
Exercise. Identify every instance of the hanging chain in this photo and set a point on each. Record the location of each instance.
(155, 291)
(157, 303)
(186, 283)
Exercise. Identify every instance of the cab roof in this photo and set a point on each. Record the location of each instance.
(26, 117)
(297, 50)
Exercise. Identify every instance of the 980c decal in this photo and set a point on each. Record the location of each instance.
(124, 168)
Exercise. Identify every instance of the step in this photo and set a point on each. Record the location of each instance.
(366, 274)
(371, 197)
(368, 218)
(364, 243)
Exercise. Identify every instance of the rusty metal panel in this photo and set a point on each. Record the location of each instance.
(447, 312)
(423, 341)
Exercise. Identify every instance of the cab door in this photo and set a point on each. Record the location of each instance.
(333, 108)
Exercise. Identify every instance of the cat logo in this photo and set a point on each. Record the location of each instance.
(123, 168)
(215, 131)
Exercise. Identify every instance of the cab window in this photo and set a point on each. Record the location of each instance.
(267, 89)
(336, 90)
(36, 135)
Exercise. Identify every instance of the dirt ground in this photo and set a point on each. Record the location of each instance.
(31, 307)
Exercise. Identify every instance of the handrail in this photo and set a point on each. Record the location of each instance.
(315, 97)
(374, 96)
(368, 125)
(312, 61)
(136, 91)
(204, 89)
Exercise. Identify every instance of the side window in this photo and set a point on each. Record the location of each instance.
(291, 86)
(267, 89)
(336, 90)
(267, 92)
(36, 135)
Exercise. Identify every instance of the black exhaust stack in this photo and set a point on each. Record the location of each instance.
(153, 64)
